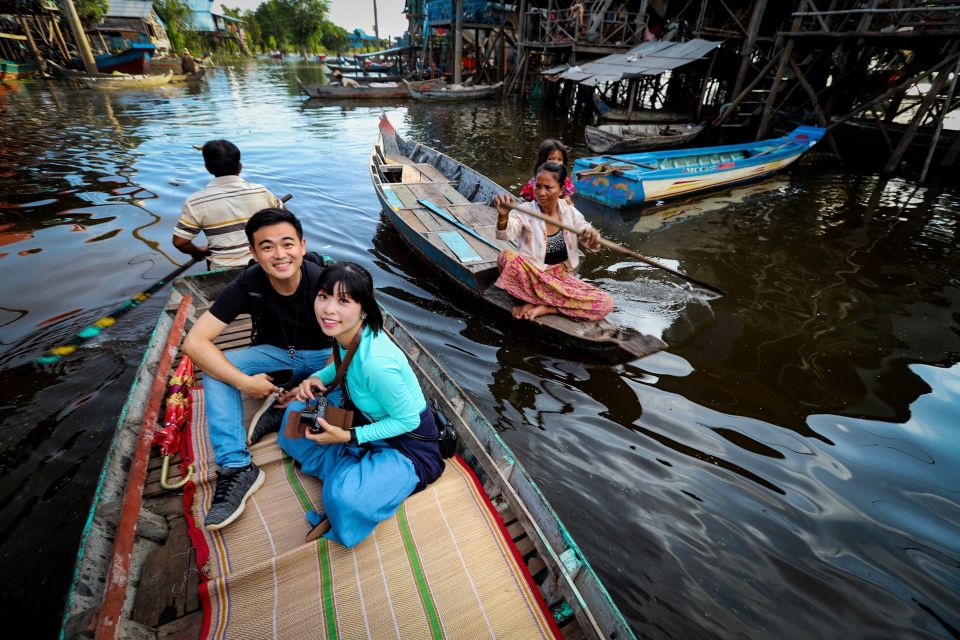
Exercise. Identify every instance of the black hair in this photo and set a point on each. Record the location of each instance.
(357, 283)
(269, 216)
(558, 170)
(543, 153)
(221, 158)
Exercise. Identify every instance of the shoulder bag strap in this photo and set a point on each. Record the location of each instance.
(340, 377)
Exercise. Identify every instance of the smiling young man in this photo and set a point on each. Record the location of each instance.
(278, 292)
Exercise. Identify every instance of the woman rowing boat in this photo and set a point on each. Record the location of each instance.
(541, 272)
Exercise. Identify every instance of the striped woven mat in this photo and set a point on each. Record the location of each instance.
(442, 567)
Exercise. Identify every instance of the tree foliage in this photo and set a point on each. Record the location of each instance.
(178, 18)
(91, 10)
(299, 23)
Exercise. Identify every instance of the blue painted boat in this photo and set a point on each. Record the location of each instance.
(620, 181)
(134, 60)
(439, 208)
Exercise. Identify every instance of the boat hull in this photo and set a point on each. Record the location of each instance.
(630, 139)
(633, 180)
(13, 69)
(364, 92)
(135, 60)
(419, 228)
(455, 95)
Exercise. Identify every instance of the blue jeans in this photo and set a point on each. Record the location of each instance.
(224, 406)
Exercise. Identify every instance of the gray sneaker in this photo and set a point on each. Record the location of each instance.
(266, 420)
(234, 486)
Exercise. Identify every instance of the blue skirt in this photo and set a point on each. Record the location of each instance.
(362, 484)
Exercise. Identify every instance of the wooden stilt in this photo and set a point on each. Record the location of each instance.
(746, 51)
(41, 62)
(940, 118)
(821, 118)
(911, 131)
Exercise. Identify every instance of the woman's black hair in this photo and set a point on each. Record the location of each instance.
(543, 153)
(357, 283)
(558, 170)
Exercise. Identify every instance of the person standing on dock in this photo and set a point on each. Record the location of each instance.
(278, 293)
(221, 209)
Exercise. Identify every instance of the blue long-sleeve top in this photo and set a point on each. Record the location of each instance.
(382, 385)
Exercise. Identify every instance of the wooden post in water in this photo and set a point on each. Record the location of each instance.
(925, 104)
(41, 63)
(746, 51)
(458, 41)
(80, 37)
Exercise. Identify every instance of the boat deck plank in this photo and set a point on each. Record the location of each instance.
(156, 603)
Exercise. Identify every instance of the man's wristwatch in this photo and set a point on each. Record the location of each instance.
(353, 437)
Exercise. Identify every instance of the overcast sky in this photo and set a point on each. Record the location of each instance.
(351, 14)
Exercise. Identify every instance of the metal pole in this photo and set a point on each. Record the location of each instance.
(83, 46)
(376, 25)
(458, 42)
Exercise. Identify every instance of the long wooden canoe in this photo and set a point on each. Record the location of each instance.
(390, 90)
(619, 181)
(457, 235)
(452, 93)
(115, 82)
(136, 576)
(638, 115)
(630, 138)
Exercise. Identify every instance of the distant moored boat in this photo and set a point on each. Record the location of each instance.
(620, 181)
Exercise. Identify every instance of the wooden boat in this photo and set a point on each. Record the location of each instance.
(457, 236)
(372, 91)
(628, 138)
(16, 69)
(134, 60)
(121, 81)
(638, 115)
(189, 77)
(619, 181)
(453, 92)
(136, 573)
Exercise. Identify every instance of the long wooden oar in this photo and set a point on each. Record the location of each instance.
(93, 330)
(621, 249)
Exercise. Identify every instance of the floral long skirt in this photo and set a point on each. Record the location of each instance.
(555, 286)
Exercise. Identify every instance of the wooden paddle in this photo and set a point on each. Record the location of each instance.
(621, 249)
(93, 330)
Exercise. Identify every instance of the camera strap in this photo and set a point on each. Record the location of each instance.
(341, 376)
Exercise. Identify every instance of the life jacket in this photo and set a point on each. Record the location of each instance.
(253, 277)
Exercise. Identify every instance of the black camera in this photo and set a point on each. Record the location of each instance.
(315, 409)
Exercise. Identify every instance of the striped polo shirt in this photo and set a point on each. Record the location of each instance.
(221, 210)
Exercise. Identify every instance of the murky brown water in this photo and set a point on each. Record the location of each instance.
(787, 468)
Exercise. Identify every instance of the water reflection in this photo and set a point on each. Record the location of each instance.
(785, 469)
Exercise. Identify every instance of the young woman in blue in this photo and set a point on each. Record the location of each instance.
(369, 470)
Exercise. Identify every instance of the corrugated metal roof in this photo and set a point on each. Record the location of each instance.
(649, 59)
(129, 9)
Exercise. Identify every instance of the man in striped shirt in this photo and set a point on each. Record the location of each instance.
(221, 210)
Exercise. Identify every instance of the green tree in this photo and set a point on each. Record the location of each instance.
(334, 38)
(91, 10)
(178, 18)
(308, 17)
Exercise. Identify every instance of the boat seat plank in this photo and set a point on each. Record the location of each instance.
(411, 220)
(429, 191)
(402, 192)
(156, 602)
(474, 214)
(431, 172)
(451, 194)
(460, 246)
(430, 221)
